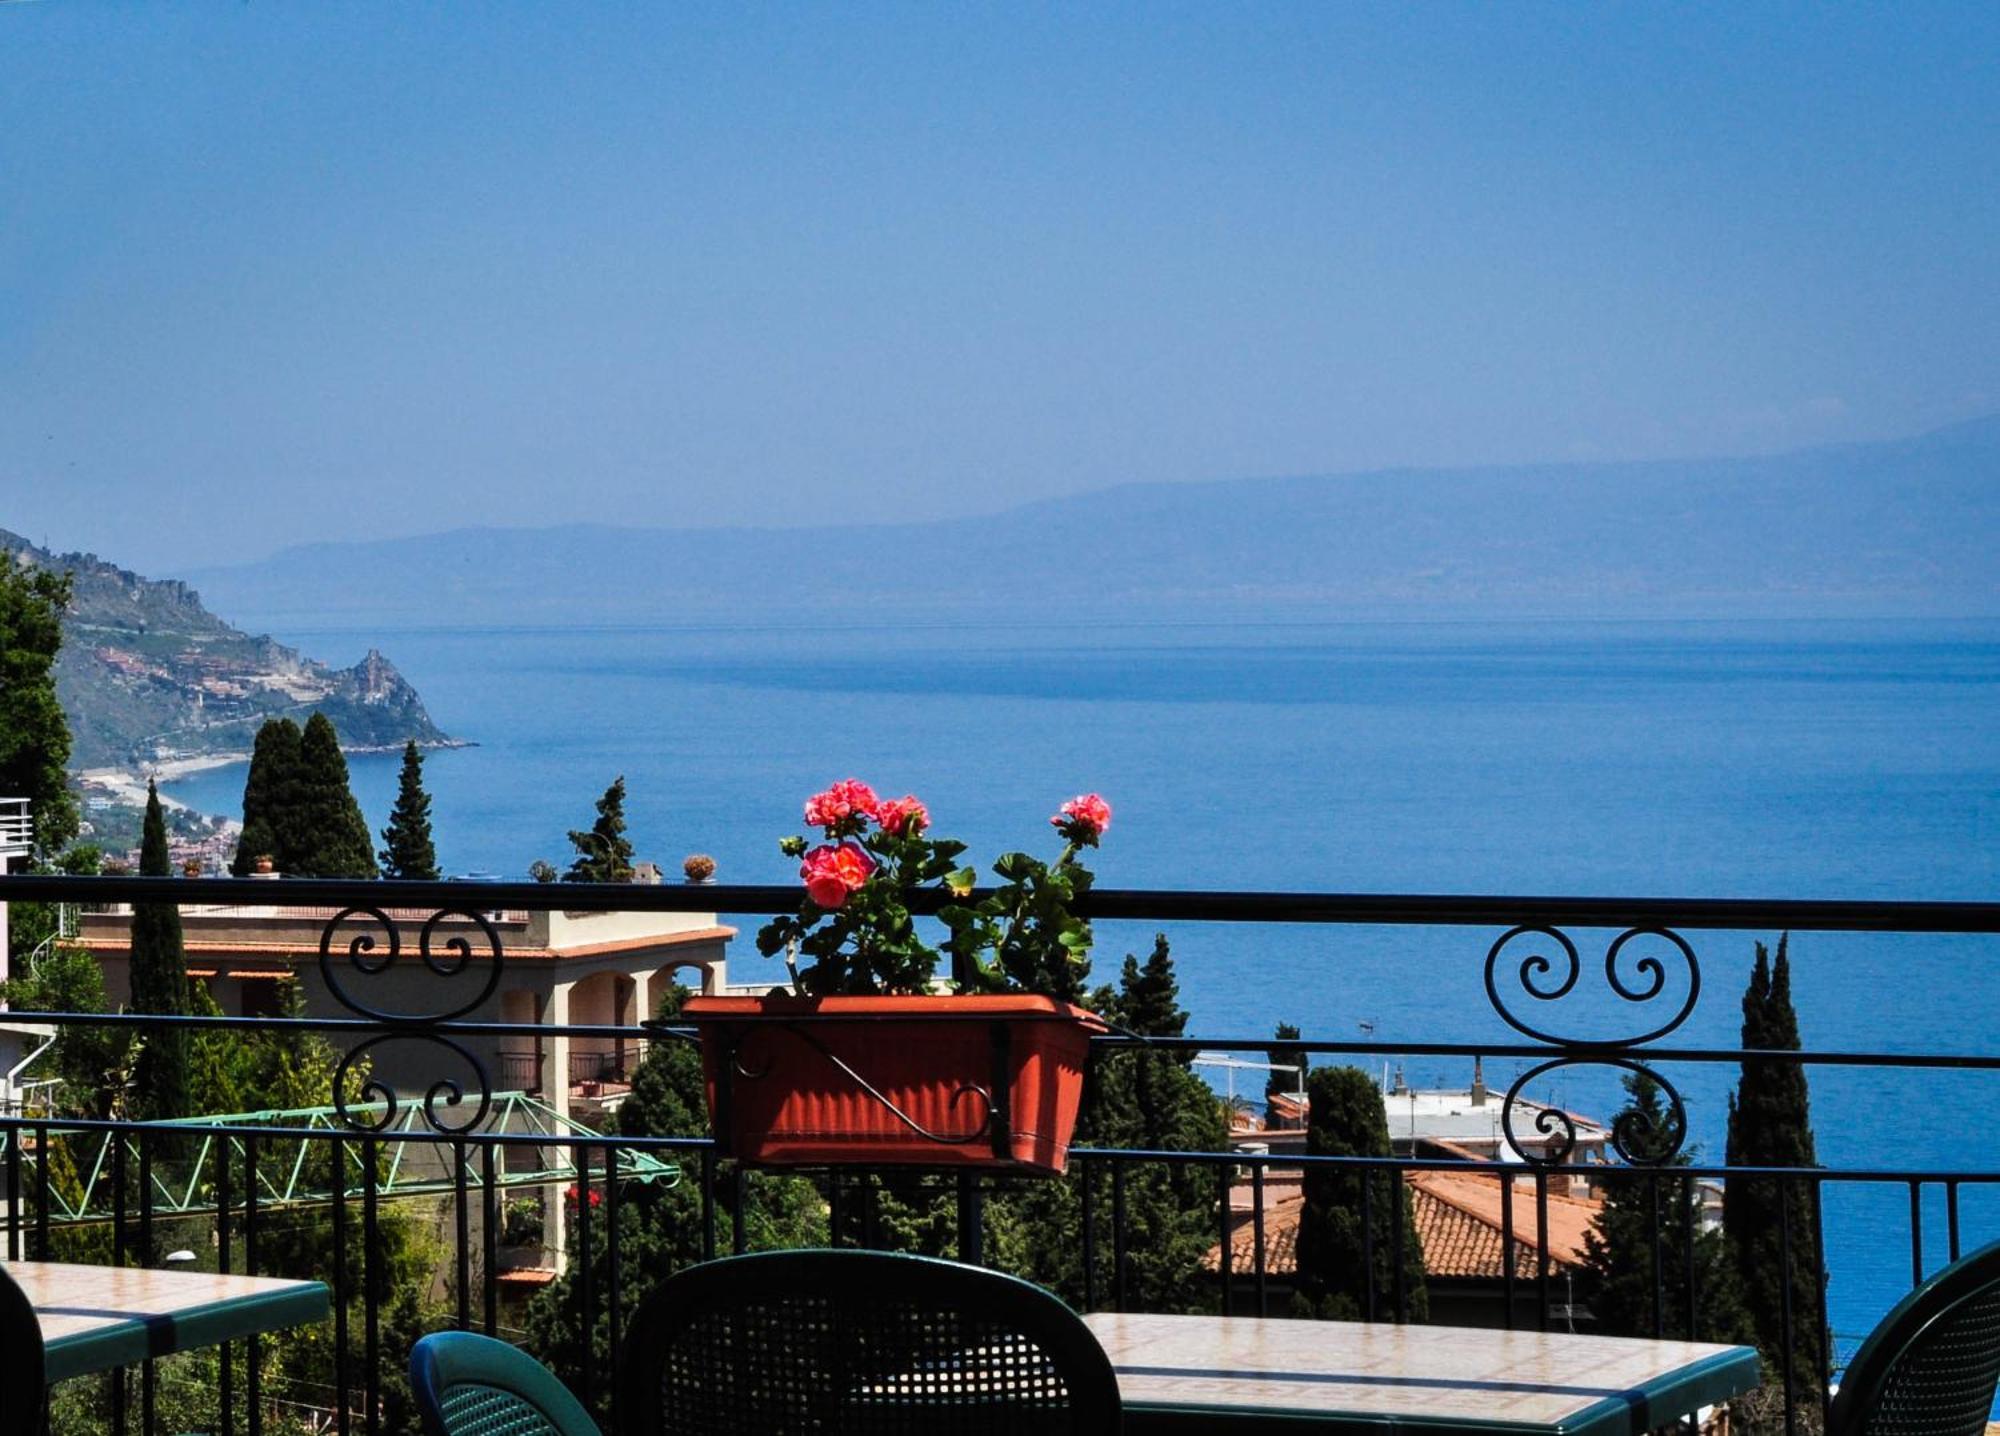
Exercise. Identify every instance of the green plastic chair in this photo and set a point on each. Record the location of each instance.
(469, 1385)
(1930, 1366)
(858, 1342)
(23, 1378)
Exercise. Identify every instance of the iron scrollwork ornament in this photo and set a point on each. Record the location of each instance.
(364, 958)
(448, 1105)
(1549, 971)
(1635, 1140)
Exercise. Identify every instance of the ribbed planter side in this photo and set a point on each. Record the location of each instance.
(977, 1081)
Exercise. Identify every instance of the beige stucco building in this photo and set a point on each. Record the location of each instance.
(557, 969)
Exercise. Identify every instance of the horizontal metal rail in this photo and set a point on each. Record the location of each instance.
(1399, 909)
(228, 1184)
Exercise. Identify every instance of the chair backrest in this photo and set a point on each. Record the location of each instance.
(858, 1342)
(1930, 1366)
(23, 1380)
(469, 1385)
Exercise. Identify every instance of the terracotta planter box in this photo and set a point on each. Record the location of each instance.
(894, 1081)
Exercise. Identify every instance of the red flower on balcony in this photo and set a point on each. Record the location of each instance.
(1083, 819)
(831, 873)
(843, 809)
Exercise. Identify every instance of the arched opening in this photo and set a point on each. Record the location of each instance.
(604, 999)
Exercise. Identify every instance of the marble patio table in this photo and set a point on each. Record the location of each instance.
(95, 1318)
(1222, 1374)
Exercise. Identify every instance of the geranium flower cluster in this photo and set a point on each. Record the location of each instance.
(1083, 819)
(841, 865)
(855, 927)
(843, 809)
(833, 871)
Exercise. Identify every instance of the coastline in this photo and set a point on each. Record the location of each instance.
(126, 783)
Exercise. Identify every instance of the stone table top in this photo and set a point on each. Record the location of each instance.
(95, 1318)
(1342, 1375)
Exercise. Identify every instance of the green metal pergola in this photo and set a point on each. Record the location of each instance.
(285, 1177)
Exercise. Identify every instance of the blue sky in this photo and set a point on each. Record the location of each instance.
(275, 271)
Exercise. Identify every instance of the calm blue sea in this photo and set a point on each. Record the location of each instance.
(1852, 760)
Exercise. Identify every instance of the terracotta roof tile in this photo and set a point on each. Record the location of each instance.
(1458, 1218)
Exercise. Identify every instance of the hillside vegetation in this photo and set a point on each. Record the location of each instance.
(148, 674)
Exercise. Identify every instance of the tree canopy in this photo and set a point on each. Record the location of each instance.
(159, 980)
(1635, 1277)
(1770, 1125)
(603, 854)
(407, 849)
(1136, 1097)
(298, 808)
(270, 797)
(34, 734)
(1336, 1277)
(334, 835)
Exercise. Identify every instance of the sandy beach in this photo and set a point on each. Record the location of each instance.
(128, 785)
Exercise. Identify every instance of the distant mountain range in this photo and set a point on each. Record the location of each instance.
(148, 675)
(1901, 528)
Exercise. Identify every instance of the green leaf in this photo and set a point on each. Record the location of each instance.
(1015, 867)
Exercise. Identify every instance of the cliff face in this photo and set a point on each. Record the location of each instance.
(147, 673)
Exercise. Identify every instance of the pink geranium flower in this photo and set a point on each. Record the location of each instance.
(840, 804)
(906, 814)
(1084, 815)
(831, 873)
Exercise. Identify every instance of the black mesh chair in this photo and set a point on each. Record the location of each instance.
(854, 1341)
(1929, 1367)
(22, 1379)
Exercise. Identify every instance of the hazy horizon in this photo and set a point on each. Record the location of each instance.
(278, 274)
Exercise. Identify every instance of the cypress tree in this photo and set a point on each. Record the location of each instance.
(1149, 997)
(270, 798)
(330, 831)
(1153, 1101)
(1139, 1097)
(407, 851)
(1638, 1249)
(1770, 1125)
(1335, 1279)
(603, 855)
(1282, 1054)
(159, 980)
(34, 735)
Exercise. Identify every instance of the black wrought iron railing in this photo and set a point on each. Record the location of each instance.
(532, 1230)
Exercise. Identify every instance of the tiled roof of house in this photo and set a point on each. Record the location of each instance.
(1459, 1219)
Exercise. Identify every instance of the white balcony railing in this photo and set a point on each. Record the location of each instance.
(17, 827)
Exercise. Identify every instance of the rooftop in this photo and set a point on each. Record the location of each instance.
(1460, 1220)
